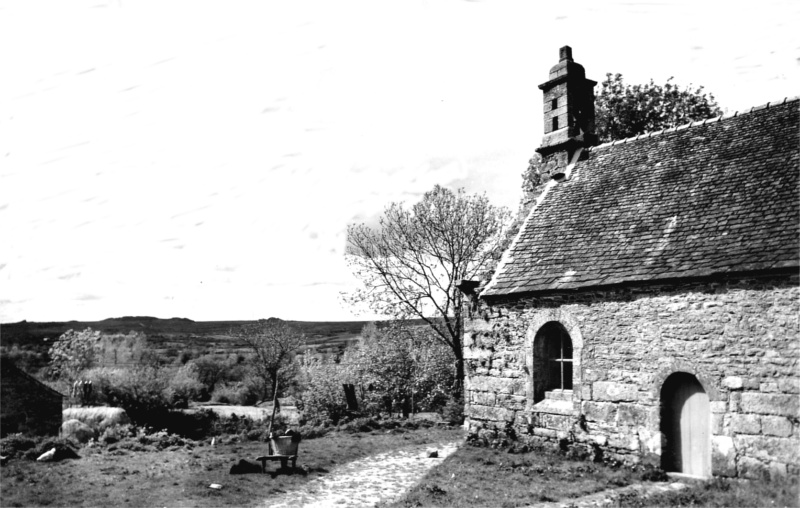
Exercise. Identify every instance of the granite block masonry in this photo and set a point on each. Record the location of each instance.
(738, 339)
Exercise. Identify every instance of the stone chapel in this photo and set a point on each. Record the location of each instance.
(648, 309)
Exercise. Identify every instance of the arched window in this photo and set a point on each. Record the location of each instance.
(552, 360)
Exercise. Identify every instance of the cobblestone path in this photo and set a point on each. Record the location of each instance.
(367, 481)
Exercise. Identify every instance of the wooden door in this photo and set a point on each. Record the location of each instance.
(687, 427)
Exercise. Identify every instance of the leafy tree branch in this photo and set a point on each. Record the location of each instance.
(411, 263)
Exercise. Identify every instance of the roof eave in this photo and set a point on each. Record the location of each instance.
(779, 269)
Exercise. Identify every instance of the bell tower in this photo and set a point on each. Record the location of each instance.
(568, 112)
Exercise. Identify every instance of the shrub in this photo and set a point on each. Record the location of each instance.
(117, 433)
(223, 395)
(257, 434)
(654, 474)
(30, 448)
(184, 386)
(250, 393)
(400, 369)
(247, 428)
(149, 393)
(453, 411)
(161, 440)
(197, 424)
(105, 382)
(313, 431)
(231, 425)
(239, 394)
(187, 425)
(140, 391)
(15, 445)
(323, 398)
(215, 369)
(360, 425)
(65, 449)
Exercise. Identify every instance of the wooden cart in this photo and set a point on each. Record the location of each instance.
(282, 448)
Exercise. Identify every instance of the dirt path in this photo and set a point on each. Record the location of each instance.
(367, 481)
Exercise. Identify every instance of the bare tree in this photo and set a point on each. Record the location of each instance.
(411, 263)
(273, 343)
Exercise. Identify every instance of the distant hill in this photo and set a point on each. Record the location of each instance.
(178, 333)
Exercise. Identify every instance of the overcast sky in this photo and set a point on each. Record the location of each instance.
(203, 159)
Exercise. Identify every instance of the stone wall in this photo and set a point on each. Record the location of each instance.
(739, 338)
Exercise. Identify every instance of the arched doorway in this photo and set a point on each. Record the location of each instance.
(686, 425)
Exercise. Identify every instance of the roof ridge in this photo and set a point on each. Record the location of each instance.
(719, 118)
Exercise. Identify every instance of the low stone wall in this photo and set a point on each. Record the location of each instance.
(740, 339)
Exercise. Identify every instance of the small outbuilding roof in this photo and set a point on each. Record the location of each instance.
(9, 369)
(712, 197)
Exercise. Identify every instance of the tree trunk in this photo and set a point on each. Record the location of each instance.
(458, 345)
(406, 406)
(276, 405)
(458, 386)
(265, 388)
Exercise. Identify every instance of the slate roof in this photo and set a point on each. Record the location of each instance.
(713, 197)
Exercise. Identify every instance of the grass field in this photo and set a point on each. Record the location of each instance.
(721, 493)
(485, 477)
(135, 473)
(181, 475)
